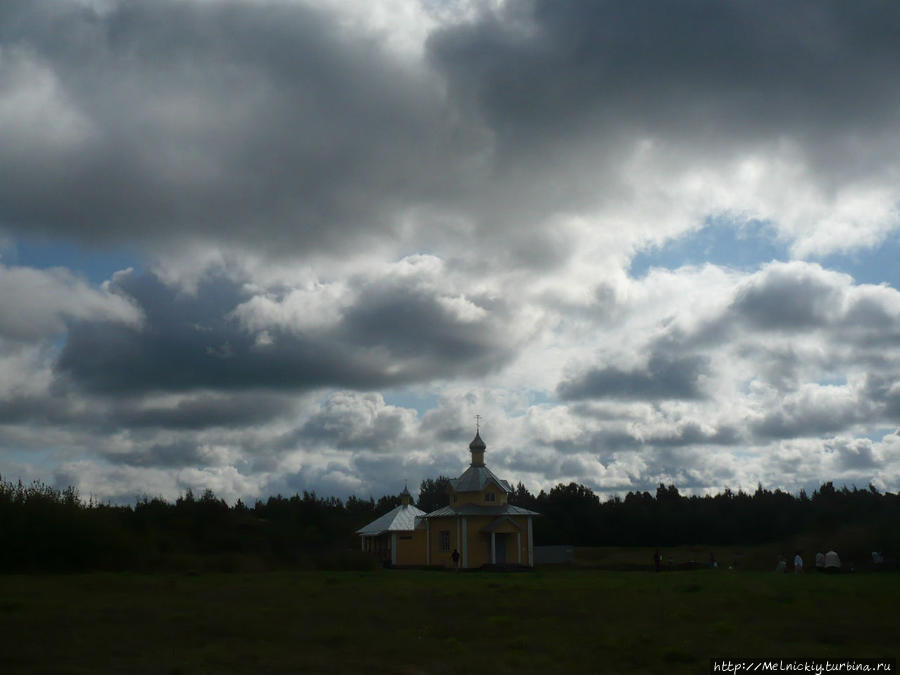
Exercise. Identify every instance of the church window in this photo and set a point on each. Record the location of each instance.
(445, 540)
(490, 497)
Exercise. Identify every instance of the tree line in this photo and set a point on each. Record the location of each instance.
(47, 529)
(575, 514)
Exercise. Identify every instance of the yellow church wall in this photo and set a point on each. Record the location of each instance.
(411, 547)
(453, 526)
(478, 497)
(478, 543)
(423, 546)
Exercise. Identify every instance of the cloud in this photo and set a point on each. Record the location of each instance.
(815, 410)
(200, 411)
(756, 124)
(790, 297)
(359, 226)
(664, 377)
(358, 421)
(301, 130)
(223, 118)
(855, 454)
(388, 334)
(37, 304)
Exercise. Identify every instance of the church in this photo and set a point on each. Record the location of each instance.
(478, 523)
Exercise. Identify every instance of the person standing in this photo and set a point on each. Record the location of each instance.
(455, 557)
(820, 562)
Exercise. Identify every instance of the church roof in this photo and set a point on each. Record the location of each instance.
(401, 518)
(476, 478)
(479, 510)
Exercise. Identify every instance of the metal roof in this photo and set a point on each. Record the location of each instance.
(476, 478)
(498, 521)
(401, 518)
(479, 510)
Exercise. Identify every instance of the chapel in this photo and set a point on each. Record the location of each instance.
(393, 537)
(479, 524)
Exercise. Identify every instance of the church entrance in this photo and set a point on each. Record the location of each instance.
(500, 552)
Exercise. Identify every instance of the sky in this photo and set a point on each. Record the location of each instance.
(267, 246)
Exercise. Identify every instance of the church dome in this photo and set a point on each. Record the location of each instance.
(477, 445)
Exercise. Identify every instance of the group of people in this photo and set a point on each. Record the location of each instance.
(825, 562)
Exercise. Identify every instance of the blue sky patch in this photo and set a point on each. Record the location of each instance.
(747, 246)
(870, 266)
(418, 400)
(94, 265)
(721, 241)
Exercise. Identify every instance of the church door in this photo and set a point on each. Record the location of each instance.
(501, 548)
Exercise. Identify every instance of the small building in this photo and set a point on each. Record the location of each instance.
(479, 524)
(393, 537)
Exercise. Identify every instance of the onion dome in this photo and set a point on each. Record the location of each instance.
(477, 445)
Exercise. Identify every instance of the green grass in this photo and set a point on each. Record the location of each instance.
(437, 622)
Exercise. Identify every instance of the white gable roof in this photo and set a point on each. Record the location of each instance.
(400, 519)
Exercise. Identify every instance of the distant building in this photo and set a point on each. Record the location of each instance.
(393, 538)
(479, 524)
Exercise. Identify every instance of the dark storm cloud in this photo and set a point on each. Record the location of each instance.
(702, 67)
(566, 91)
(21, 409)
(603, 443)
(854, 454)
(692, 433)
(68, 407)
(203, 411)
(222, 119)
(789, 298)
(178, 454)
(276, 125)
(884, 388)
(191, 342)
(803, 421)
(665, 377)
(410, 324)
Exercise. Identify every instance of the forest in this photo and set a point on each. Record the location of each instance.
(47, 529)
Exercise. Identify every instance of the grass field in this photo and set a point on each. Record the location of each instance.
(438, 622)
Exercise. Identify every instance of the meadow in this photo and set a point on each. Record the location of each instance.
(415, 621)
